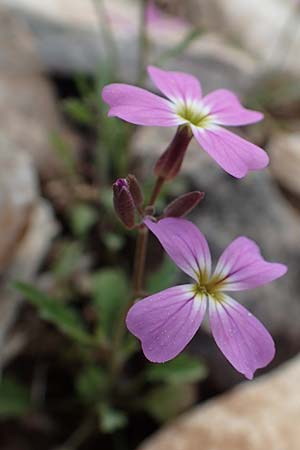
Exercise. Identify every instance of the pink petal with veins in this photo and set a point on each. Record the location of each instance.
(166, 322)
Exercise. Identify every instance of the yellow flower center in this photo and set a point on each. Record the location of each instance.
(209, 286)
(194, 114)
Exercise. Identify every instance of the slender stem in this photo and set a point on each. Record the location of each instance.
(156, 191)
(143, 43)
(138, 279)
(139, 261)
(141, 245)
(107, 33)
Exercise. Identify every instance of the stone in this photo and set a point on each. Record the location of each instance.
(69, 38)
(254, 416)
(28, 110)
(254, 207)
(284, 148)
(27, 228)
(268, 30)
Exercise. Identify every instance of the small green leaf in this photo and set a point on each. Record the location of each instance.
(91, 383)
(183, 369)
(114, 242)
(67, 259)
(64, 152)
(82, 218)
(163, 278)
(65, 318)
(111, 419)
(166, 402)
(14, 399)
(179, 48)
(110, 294)
(106, 197)
(79, 112)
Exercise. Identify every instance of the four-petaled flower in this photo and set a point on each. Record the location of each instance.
(166, 322)
(186, 106)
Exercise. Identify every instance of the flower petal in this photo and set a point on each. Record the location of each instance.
(184, 243)
(176, 85)
(234, 154)
(138, 106)
(227, 109)
(166, 322)
(242, 339)
(241, 266)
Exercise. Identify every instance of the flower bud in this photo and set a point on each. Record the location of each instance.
(123, 203)
(135, 190)
(169, 164)
(184, 204)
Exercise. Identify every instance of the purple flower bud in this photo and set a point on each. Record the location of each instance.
(184, 204)
(135, 190)
(169, 164)
(123, 203)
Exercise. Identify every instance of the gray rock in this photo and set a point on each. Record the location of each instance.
(27, 227)
(69, 39)
(28, 111)
(284, 148)
(254, 416)
(269, 30)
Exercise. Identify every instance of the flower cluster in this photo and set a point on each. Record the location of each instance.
(166, 322)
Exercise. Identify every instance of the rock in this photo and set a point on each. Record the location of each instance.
(69, 36)
(27, 227)
(284, 149)
(254, 207)
(28, 111)
(69, 39)
(254, 416)
(267, 29)
(217, 64)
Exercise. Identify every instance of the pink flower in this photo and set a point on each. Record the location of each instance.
(153, 14)
(185, 105)
(162, 21)
(166, 322)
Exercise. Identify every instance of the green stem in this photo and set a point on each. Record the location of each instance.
(138, 280)
(108, 35)
(143, 43)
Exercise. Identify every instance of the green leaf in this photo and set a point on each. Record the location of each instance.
(82, 218)
(91, 383)
(183, 369)
(65, 318)
(179, 48)
(113, 242)
(111, 419)
(163, 278)
(64, 152)
(166, 402)
(106, 197)
(14, 399)
(79, 112)
(110, 294)
(67, 259)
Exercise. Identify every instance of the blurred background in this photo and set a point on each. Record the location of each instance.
(66, 261)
